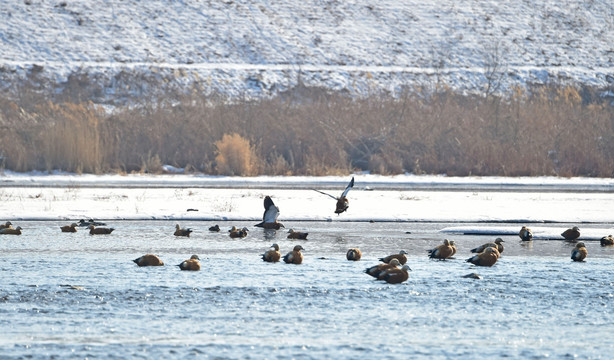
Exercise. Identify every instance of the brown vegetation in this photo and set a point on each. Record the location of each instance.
(564, 131)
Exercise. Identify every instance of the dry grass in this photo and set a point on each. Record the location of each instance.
(558, 130)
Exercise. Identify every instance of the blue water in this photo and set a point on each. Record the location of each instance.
(80, 296)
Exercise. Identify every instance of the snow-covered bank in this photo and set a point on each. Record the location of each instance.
(72, 197)
(259, 48)
(363, 182)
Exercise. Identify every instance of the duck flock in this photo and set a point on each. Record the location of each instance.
(392, 269)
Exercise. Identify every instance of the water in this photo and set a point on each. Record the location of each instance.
(80, 296)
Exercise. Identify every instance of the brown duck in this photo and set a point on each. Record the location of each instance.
(272, 255)
(295, 256)
(192, 264)
(353, 254)
(148, 260)
(342, 201)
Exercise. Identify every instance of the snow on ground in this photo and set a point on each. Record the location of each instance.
(258, 48)
(395, 198)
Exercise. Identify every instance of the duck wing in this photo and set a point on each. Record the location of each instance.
(347, 189)
(271, 211)
(322, 192)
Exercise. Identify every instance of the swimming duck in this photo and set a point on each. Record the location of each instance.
(182, 232)
(148, 260)
(215, 228)
(272, 255)
(90, 222)
(579, 252)
(192, 264)
(353, 254)
(380, 269)
(571, 234)
(488, 257)
(69, 228)
(238, 233)
(99, 230)
(400, 257)
(342, 201)
(295, 256)
(497, 244)
(11, 231)
(442, 251)
(607, 240)
(269, 218)
(6, 225)
(525, 234)
(396, 275)
(297, 235)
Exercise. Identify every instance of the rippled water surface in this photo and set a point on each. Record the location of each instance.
(81, 296)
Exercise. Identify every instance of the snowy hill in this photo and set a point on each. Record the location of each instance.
(259, 47)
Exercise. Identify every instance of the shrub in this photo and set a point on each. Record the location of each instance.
(234, 156)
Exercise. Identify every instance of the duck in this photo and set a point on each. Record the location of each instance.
(148, 260)
(571, 234)
(295, 256)
(607, 240)
(11, 231)
(497, 244)
(6, 225)
(272, 255)
(90, 222)
(396, 275)
(269, 218)
(69, 228)
(182, 232)
(380, 269)
(453, 244)
(442, 251)
(191, 264)
(353, 254)
(525, 234)
(238, 233)
(99, 230)
(297, 234)
(579, 252)
(215, 228)
(400, 257)
(488, 257)
(342, 202)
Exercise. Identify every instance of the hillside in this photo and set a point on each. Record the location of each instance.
(113, 49)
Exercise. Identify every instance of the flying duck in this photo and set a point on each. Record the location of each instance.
(191, 264)
(182, 232)
(353, 254)
(497, 244)
(272, 255)
(442, 251)
(11, 231)
(297, 235)
(99, 230)
(342, 201)
(400, 257)
(295, 256)
(269, 218)
(579, 252)
(148, 260)
(525, 234)
(69, 228)
(488, 257)
(571, 234)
